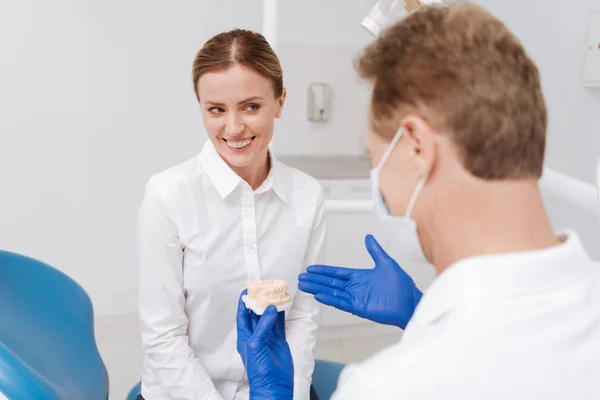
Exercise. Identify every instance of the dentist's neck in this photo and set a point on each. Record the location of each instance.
(486, 218)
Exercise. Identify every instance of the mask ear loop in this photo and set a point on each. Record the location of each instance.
(420, 184)
(413, 199)
(387, 153)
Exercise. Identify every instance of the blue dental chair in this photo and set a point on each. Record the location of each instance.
(324, 379)
(47, 345)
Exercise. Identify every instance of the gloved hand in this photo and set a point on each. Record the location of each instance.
(384, 294)
(265, 352)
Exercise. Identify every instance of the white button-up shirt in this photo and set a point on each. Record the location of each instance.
(512, 326)
(204, 234)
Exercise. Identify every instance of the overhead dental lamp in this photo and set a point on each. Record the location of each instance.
(386, 12)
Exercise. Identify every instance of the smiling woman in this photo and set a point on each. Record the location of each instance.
(239, 84)
(229, 216)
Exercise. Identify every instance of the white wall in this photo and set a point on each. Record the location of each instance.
(96, 96)
(318, 42)
(42, 133)
(344, 132)
(324, 22)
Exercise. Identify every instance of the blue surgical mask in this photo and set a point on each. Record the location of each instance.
(404, 228)
(379, 206)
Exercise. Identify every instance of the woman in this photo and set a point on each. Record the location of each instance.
(211, 225)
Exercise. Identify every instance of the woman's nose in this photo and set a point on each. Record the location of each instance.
(235, 125)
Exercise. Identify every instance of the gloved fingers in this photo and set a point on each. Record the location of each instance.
(266, 323)
(374, 248)
(315, 288)
(324, 280)
(334, 272)
(337, 302)
(254, 318)
(280, 324)
(243, 319)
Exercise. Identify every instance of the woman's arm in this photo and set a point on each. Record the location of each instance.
(300, 325)
(162, 316)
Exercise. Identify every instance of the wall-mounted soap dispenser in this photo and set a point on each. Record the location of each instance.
(319, 102)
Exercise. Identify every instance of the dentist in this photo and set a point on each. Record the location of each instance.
(458, 134)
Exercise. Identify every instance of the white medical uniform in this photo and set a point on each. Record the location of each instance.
(204, 234)
(512, 326)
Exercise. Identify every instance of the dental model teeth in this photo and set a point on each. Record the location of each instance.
(273, 291)
(272, 296)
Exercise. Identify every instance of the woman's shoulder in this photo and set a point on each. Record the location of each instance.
(174, 179)
(300, 182)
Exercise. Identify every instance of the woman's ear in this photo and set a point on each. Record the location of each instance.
(281, 103)
(421, 140)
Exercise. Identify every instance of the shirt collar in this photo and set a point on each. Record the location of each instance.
(225, 180)
(504, 275)
(275, 180)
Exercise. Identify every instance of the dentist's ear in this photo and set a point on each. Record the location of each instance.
(422, 141)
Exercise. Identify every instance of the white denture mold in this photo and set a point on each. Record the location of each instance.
(263, 293)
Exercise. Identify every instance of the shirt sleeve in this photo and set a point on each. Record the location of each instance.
(163, 321)
(301, 327)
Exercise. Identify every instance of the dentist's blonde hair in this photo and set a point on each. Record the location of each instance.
(465, 73)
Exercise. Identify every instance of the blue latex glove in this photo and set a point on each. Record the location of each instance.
(384, 294)
(265, 352)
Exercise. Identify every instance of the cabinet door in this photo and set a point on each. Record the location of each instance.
(345, 248)
(345, 242)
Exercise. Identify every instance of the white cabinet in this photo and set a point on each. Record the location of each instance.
(344, 242)
(344, 245)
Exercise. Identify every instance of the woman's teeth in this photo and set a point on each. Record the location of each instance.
(239, 145)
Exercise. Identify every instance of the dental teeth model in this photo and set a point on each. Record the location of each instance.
(272, 291)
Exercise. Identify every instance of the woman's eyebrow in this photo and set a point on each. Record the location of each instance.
(216, 103)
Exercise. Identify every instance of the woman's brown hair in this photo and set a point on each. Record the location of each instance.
(242, 47)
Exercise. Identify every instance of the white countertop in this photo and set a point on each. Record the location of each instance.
(330, 167)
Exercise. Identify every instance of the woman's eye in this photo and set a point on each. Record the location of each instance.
(215, 110)
(252, 107)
